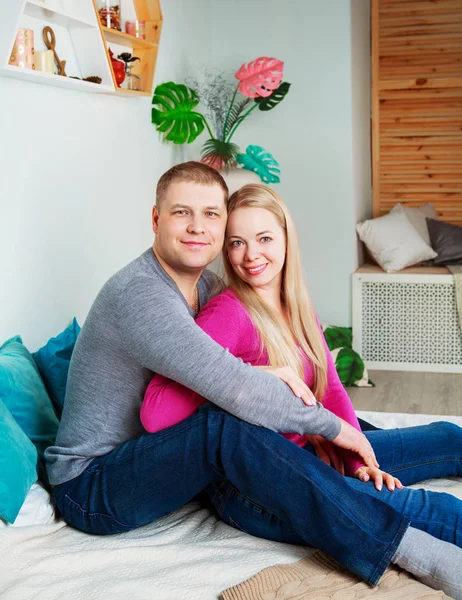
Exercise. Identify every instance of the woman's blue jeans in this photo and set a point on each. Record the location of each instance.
(148, 477)
(411, 454)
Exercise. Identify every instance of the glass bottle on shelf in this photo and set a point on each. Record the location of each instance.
(132, 81)
(109, 13)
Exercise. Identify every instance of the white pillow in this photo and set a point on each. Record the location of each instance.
(37, 509)
(417, 217)
(393, 242)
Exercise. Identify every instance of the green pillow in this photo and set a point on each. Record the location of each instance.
(25, 396)
(53, 361)
(350, 366)
(18, 465)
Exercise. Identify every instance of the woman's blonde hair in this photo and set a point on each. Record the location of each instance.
(278, 336)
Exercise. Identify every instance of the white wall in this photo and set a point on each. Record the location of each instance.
(78, 171)
(361, 105)
(77, 183)
(319, 134)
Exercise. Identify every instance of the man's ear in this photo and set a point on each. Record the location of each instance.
(155, 219)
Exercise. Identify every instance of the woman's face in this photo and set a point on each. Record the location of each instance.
(256, 247)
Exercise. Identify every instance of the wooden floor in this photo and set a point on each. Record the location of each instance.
(410, 392)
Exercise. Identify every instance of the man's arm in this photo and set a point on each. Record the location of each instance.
(161, 335)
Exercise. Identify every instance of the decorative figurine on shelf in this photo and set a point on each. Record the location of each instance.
(118, 68)
(109, 14)
(50, 42)
(132, 81)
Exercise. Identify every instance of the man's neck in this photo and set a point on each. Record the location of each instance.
(186, 281)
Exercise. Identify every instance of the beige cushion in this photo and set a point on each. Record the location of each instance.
(393, 242)
(417, 217)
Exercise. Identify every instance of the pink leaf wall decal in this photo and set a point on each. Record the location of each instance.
(260, 77)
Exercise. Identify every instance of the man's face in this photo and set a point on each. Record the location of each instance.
(190, 225)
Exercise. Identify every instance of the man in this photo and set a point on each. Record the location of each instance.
(110, 476)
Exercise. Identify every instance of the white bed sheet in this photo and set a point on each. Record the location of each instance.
(187, 555)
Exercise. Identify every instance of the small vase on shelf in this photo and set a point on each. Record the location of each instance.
(132, 81)
(22, 54)
(109, 14)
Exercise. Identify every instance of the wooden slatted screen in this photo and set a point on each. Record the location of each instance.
(417, 105)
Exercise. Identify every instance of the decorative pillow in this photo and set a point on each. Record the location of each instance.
(349, 365)
(446, 239)
(393, 242)
(37, 509)
(417, 217)
(53, 361)
(18, 465)
(25, 396)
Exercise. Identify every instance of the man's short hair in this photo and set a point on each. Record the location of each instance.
(193, 171)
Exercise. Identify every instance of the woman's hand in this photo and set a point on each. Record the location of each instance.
(326, 452)
(379, 478)
(297, 385)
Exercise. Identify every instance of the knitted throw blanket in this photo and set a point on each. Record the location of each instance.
(319, 577)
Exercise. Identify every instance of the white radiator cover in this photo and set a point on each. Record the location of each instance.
(407, 322)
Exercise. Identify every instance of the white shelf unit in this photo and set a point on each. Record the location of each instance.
(54, 14)
(78, 42)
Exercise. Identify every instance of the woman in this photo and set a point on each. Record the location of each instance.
(265, 317)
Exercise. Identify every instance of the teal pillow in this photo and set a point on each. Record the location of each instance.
(25, 396)
(53, 363)
(18, 465)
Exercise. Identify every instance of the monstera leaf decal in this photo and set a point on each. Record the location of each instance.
(260, 161)
(276, 97)
(173, 113)
(260, 77)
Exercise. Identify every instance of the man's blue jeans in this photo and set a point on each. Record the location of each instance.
(411, 454)
(146, 478)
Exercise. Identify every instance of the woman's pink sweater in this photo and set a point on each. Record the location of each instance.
(225, 319)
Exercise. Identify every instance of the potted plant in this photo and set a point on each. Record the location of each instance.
(259, 87)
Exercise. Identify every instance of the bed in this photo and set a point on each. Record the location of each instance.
(187, 555)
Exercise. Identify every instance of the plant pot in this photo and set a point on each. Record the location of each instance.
(236, 178)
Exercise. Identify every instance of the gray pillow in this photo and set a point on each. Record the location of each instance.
(446, 241)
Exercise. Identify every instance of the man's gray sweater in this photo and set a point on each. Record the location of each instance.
(141, 324)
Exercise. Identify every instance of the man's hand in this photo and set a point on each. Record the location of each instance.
(379, 478)
(350, 438)
(326, 452)
(297, 385)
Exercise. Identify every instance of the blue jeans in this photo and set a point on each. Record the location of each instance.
(411, 454)
(148, 477)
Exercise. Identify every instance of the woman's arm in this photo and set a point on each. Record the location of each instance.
(337, 401)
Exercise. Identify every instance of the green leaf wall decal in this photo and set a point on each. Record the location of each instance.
(260, 161)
